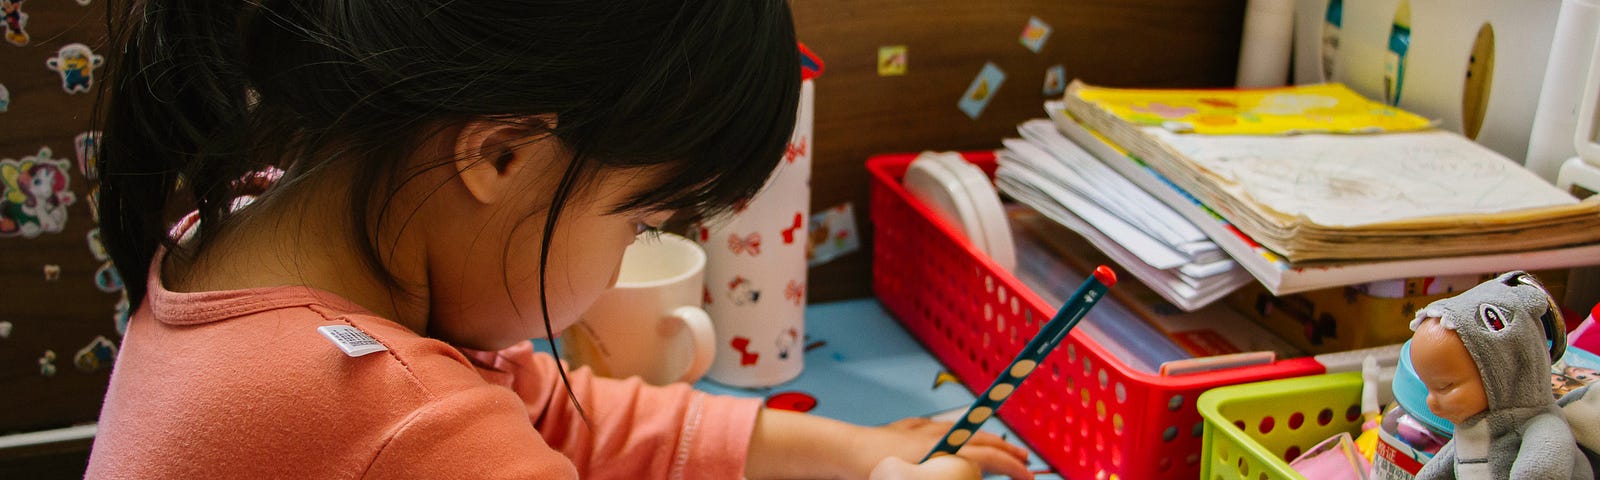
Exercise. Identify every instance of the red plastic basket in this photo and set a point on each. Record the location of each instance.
(1086, 413)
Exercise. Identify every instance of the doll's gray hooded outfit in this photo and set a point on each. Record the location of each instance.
(1513, 331)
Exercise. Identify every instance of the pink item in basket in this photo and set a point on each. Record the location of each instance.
(1334, 459)
(1586, 336)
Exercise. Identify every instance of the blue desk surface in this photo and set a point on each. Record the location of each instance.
(863, 368)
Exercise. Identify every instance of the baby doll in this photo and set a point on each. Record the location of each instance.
(1485, 358)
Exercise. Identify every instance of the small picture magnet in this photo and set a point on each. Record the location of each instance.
(5, 329)
(5, 98)
(76, 63)
(983, 87)
(892, 61)
(52, 272)
(16, 22)
(36, 195)
(1055, 80)
(98, 354)
(86, 145)
(1035, 34)
(833, 234)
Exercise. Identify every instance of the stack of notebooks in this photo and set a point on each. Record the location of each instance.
(1313, 187)
(1062, 181)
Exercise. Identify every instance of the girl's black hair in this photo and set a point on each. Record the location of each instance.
(202, 93)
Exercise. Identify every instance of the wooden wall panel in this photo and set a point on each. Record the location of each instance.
(1187, 43)
(63, 315)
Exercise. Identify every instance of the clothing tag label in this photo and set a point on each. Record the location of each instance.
(352, 340)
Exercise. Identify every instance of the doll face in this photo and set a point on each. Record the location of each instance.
(1455, 387)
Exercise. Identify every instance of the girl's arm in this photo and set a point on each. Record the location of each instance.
(795, 445)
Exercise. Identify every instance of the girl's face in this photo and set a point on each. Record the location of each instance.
(483, 259)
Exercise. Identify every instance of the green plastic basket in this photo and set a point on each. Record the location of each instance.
(1252, 429)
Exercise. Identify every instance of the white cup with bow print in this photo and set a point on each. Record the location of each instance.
(756, 273)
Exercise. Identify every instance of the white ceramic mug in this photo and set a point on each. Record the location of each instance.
(650, 324)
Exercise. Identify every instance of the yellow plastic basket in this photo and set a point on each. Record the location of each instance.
(1252, 429)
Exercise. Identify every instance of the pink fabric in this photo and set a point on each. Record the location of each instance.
(239, 384)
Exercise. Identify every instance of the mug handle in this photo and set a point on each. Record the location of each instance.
(702, 338)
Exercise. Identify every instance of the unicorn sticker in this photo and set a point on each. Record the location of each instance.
(76, 63)
(36, 195)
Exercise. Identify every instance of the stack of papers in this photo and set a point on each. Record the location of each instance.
(1282, 277)
(1313, 197)
(1061, 180)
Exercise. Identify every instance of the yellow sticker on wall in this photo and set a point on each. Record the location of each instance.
(891, 60)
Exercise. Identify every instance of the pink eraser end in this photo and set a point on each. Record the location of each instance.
(1105, 275)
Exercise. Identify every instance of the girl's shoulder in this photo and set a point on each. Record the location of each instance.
(312, 385)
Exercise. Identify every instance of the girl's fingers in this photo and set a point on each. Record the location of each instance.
(995, 460)
(987, 439)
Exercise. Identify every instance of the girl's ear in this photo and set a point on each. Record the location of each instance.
(491, 155)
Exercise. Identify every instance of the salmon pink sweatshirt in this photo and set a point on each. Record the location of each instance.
(240, 384)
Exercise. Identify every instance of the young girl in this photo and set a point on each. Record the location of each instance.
(456, 177)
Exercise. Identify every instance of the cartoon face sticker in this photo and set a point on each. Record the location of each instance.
(76, 63)
(16, 22)
(5, 98)
(1561, 385)
(742, 292)
(787, 341)
(1585, 375)
(107, 279)
(36, 195)
(98, 354)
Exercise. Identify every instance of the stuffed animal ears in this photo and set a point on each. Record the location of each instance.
(1555, 327)
(1497, 317)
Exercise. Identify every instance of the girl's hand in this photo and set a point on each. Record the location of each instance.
(948, 467)
(796, 445)
(910, 439)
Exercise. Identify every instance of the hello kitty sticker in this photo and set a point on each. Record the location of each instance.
(76, 63)
(36, 195)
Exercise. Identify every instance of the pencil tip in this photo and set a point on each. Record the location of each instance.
(1105, 275)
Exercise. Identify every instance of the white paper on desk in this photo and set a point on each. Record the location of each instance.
(1042, 132)
(1165, 282)
(1208, 269)
(1039, 161)
(1117, 202)
(1148, 250)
